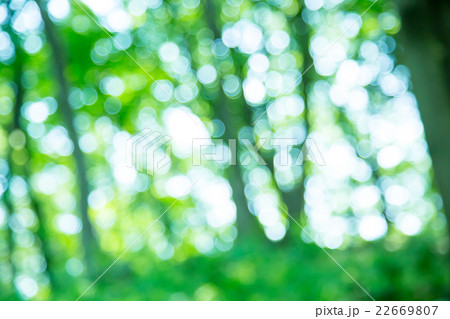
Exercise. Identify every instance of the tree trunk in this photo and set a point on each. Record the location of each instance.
(24, 169)
(88, 239)
(425, 42)
(225, 110)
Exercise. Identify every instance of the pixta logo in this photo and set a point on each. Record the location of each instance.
(204, 149)
(148, 151)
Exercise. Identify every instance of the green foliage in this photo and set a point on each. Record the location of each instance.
(233, 69)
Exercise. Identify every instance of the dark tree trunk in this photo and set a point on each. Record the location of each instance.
(235, 114)
(59, 67)
(424, 47)
(24, 169)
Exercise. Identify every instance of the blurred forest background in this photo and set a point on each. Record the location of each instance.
(376, 101)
